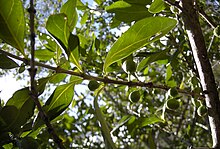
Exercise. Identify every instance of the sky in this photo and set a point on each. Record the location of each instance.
(8, 85)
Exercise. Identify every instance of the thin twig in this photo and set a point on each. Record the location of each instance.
(32, 71)
(211, 42)
(206, 18)
(175, 4)
(101, 79)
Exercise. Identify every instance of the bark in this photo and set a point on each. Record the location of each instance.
(197, 42)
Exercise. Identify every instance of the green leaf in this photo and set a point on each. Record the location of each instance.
(141, 2)
(123, 9)
(73, 51)
(162, 55)
(84, 18)
(169, 77)
(57, 78)
(18, 110)
(52, 45)
(7, 63)
(101, 119)
(140, 34)
(99, 2)
(29, 142)
(157, 6)
(149, 120)
(59, 100)
(44, 54)
(50, 42)
(12, 23)
(76, 79)
(57, 25)
(69, 8)
(115, 23)
(41, 83)
(80, 5)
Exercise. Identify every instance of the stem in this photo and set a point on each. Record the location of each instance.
(32, 71)
(105, 79)
(193, 29)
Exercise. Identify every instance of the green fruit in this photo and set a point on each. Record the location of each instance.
(134, 96)
(202, 111)
(195, 102)
(172, 104)
(173, 92)
(93, 85)
(130, 66)
(194, 81)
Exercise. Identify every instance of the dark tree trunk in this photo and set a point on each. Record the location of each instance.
(194, 32)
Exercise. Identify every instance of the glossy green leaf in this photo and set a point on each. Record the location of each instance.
(140, 34)
(141, 2)
(123, 9)
(73, 51)
(7, 114)
(69, 8)
(7, 63)
(162, 55)
(12, 23)
(57, 78)
(59, 100)
(76, 79)
(18, 110)
(44, 54)
(157, 6)
(57, 25)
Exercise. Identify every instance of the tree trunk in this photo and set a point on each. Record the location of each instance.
(194, 32)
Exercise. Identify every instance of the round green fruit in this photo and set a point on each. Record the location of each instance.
(134, 96)
(173, 92)
(93, 85)
(173, 104)
(202, 111)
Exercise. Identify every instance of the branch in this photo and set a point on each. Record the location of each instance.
(206, 18)
(32, 71)
(101, 79)
(197, 42)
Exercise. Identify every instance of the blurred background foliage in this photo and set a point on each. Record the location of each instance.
(133, 123)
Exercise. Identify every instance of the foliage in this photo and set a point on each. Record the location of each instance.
(79, 43)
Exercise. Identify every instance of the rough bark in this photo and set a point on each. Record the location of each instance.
(196, 38)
